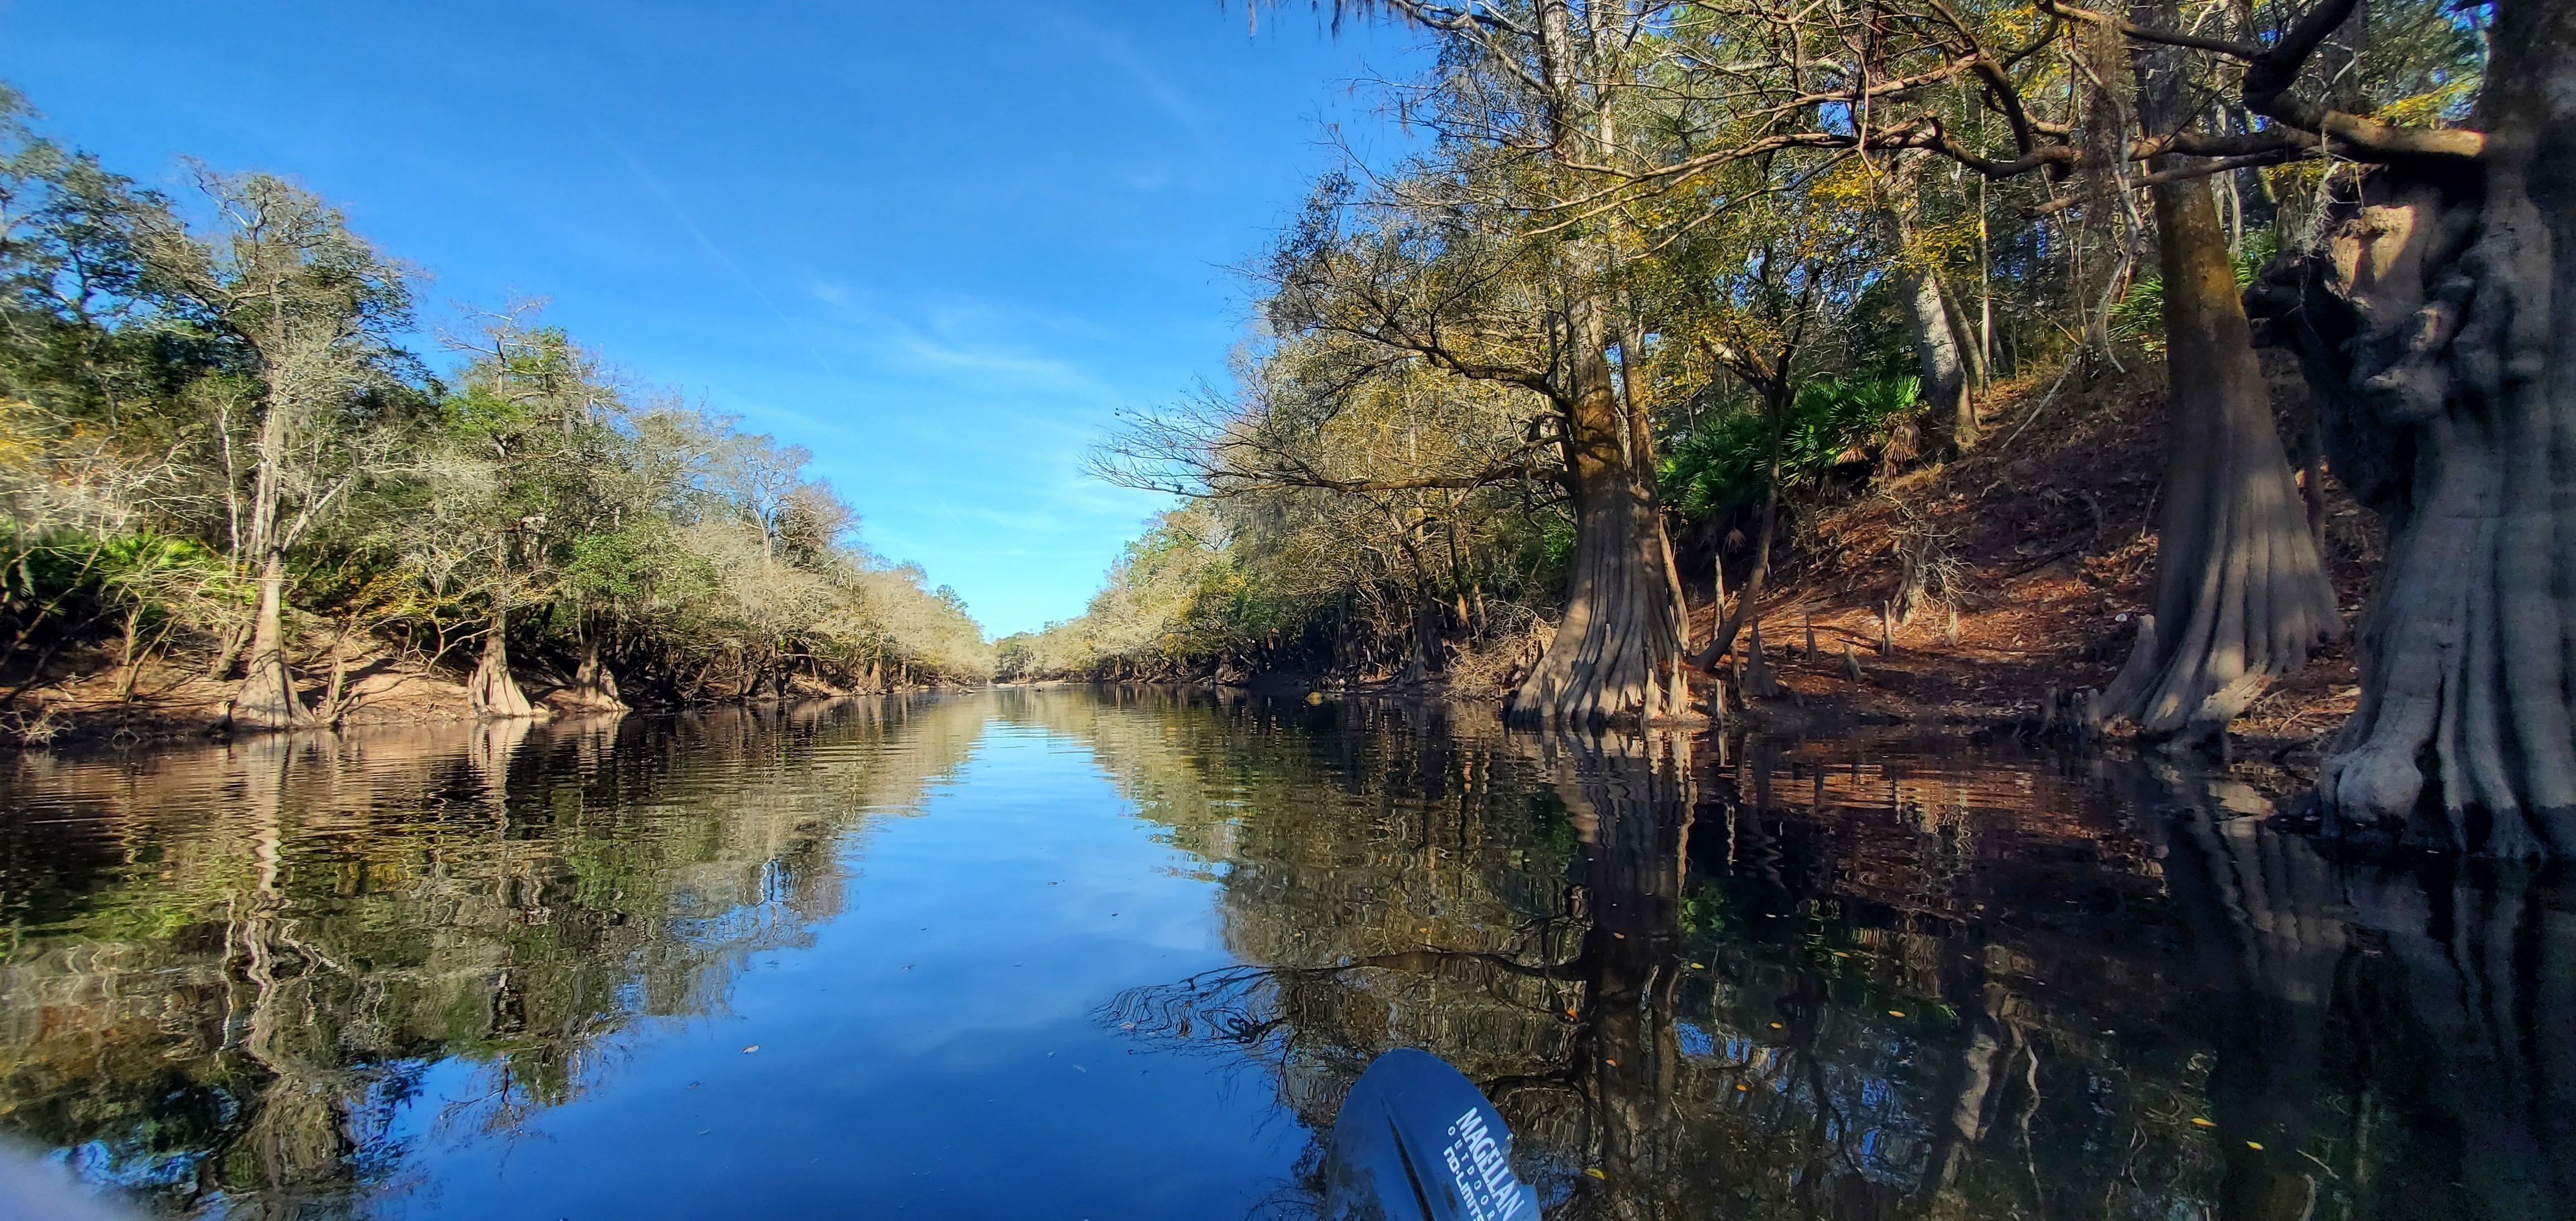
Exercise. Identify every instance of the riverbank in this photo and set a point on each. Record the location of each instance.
(2027, 564)
(172, 699)
(1963, 595)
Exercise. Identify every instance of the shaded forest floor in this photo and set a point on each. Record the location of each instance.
(2045, 539)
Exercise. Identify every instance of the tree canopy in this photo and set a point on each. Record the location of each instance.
(220, 438)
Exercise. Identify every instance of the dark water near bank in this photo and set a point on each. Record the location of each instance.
(1043, 954)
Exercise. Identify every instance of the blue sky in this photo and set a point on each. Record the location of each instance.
(937, 245)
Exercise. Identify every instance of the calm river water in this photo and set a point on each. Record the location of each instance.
(1060, 954)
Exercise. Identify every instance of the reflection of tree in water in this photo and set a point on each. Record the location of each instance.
(1835, 982)
(2408, 1030)
(1414, 881)
(232, 967)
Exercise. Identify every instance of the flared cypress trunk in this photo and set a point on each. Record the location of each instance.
(1617, 655)
(2240, 595)
(267, 698)
(492, 694)
(2439, 325)
(593, 685)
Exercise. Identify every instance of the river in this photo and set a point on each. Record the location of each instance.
(1055, 953)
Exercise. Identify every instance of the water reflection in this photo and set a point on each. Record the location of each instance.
(230, 966)
(1813, 979)
(1829, 979)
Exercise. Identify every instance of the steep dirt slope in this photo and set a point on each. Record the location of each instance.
(2043, 540)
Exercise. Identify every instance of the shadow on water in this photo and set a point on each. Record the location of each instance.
(1827, 978)
(1839, 979)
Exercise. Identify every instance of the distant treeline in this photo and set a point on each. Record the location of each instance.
(219, 448)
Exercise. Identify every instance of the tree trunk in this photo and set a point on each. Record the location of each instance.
(2308, 459)
(2240, 595)
(267, 698)
(1426, 636)
(593, 686)
(1748, 607)
(2438, 325)
(227, 655)
(492, 694)
(337, 690)
(1617, 654)
(1946, 402)
(1967, 335)
(129, 658)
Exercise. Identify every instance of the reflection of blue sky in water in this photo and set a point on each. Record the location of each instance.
(930, 1049)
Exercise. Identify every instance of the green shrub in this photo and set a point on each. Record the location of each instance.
(1724, 463)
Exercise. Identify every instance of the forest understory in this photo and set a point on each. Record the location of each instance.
(2046, 543)
(1972, 595)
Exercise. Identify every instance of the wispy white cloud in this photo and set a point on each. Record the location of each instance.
(689, 223)
(994, 352)
(1158, 89)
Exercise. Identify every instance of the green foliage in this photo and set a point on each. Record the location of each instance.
(156, 572)
(2138, 317)
(1726, 463)
(186, 399)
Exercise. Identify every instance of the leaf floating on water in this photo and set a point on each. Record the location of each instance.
(2198, 1122)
